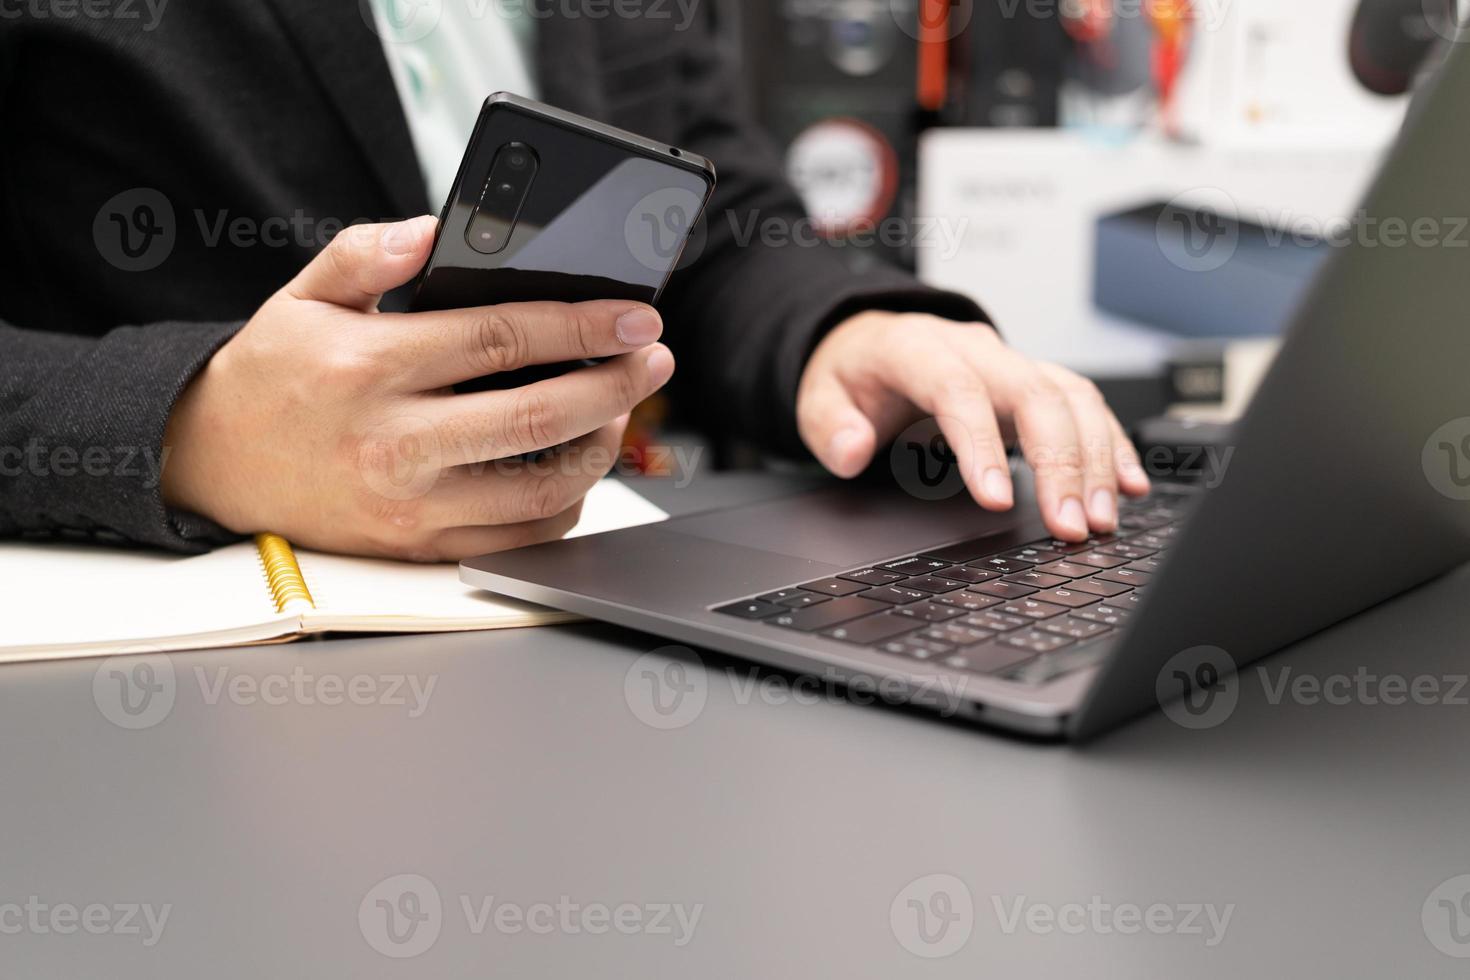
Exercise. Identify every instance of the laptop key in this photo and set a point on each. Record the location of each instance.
(1003, 590)
(872, 629)
(1068, 568)
(916, 649)
(1096, 559)
(1031, 609)
(895, 595)
(1071, 598)
(1077, 629)
(970, 576)
(1147, 565)
(834, 586)
(1106, 614)
(1128, 551)
(933, 585)
(1035, 641)
(1126, 576)
(968, 601)
(827, 614)
(966, 551)
(872, 576)
(1063, 547)
(992, 658)
(1037, 580)
(1035, 556)
(956, 635)
(915, 565)
(804, 600)
(1104, 590)
(780, 594)
(1006, 566)
(995, 620)
(929, 612)
(1132, 600)
(751, 609)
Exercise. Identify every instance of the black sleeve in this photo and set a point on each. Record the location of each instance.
(748, 312)
(81, 432)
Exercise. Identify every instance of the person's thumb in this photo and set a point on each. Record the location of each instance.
(365, 261)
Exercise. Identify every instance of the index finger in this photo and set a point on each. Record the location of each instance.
(447, 347)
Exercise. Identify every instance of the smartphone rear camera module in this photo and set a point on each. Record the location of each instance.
(507, 186)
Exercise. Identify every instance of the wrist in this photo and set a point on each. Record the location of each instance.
(193, 426)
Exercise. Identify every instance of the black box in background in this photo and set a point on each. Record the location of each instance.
(1201, 274)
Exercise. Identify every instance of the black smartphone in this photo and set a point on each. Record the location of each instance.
(552, 206)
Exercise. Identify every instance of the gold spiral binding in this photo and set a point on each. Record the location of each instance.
(282, 573)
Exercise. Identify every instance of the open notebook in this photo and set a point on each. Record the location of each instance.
(61, 600)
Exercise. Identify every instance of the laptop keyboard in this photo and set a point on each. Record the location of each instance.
(1004, 606)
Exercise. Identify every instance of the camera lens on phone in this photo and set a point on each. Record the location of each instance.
(517, 160)
(505, 189)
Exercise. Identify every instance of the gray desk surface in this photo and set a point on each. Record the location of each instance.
(797, 830)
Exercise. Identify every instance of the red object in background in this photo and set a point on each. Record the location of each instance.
(933, 83)
(1171, 20)
(1088, 21)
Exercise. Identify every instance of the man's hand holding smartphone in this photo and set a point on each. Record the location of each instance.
(369, 451)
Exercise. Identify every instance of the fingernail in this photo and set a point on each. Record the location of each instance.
(997, 486)
(402, 237)
(1104, 508)
(1072, 517)
(639, 327)
(660, 364)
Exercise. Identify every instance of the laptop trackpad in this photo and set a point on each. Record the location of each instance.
(846, 525)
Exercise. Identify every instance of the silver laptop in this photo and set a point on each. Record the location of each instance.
(1350, 483)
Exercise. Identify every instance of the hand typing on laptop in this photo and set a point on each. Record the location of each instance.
(878, 372)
